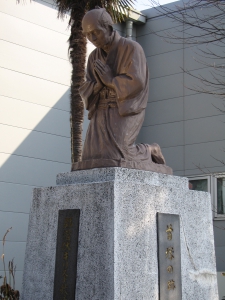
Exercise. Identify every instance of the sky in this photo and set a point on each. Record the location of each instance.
(145, 4)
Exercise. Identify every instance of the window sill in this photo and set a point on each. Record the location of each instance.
(222, 218)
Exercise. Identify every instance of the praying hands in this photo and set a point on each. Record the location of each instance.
(104, 72)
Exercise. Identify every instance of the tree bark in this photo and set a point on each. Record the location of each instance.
(77, 50)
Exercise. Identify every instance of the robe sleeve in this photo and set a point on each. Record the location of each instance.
(86, 90)
(132, 78)
(132, 82)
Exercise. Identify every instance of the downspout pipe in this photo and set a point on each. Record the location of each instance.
(136, 17)
(129, 29)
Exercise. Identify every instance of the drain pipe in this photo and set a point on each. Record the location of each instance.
(136, 17)
(129, 29)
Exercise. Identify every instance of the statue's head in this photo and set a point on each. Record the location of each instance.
(97, 26)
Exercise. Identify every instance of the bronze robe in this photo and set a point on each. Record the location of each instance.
(116, 115)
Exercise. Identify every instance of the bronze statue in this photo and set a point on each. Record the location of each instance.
(115, 93)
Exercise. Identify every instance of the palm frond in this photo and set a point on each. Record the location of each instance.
(118, 9)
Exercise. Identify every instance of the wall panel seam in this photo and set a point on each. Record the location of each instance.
(161, 53)
(154, 32)
(171, 74)
(175, 97)
(10, 241)
(16, 269)
(15, 262)
(18, 183)
(36, 158)
(153, 78)
(31, 130)
(183, 99)
(165, 99)
(34, 103)
(32, 49)
(186, 120)
(36, 77)
(35, 24)
(159, 124)
(14, 212)
(183, 145)
(202, 168)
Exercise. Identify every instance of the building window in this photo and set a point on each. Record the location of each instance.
(200, 183)
(219, 195)
(214, 184)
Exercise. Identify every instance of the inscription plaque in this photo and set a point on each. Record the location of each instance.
(169, 256)
(66, 254)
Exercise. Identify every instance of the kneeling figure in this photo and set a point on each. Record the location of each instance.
(116, 94)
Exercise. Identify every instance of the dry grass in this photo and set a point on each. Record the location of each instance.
(7, 292)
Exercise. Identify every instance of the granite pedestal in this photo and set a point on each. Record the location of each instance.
(117, 246)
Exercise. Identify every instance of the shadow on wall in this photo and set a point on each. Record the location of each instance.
(34, 155)
(30, 156)
(43, 150)
(36, 146)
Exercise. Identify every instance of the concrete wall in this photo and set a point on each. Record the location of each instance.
(34, 116)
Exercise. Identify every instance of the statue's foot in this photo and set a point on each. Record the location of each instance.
(156, 154)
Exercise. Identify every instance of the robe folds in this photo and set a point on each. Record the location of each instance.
(116, 114)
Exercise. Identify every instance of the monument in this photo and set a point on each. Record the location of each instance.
(120, 227)
(116, 94)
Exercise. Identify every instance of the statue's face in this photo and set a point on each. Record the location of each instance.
(99, 36)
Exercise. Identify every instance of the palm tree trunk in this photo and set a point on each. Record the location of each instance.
(77, 48)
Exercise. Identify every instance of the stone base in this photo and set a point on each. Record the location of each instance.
(122, 163)
(117, 251)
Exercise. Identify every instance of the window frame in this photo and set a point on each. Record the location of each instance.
(212, 189)
(214, 195)
(200, 177)
(209, 187)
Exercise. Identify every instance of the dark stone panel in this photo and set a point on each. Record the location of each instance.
(169, 256)
(66, 254)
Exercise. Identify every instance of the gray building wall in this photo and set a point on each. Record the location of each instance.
(34, 115)
(184, 123)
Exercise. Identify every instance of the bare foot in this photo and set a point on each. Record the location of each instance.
(156, 154)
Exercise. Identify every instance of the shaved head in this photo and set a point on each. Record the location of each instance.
(95, 17)
(97, 27)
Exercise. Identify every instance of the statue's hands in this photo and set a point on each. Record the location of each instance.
(98, 85)
(104, 72)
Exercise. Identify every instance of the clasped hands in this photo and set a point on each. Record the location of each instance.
(104, 72)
